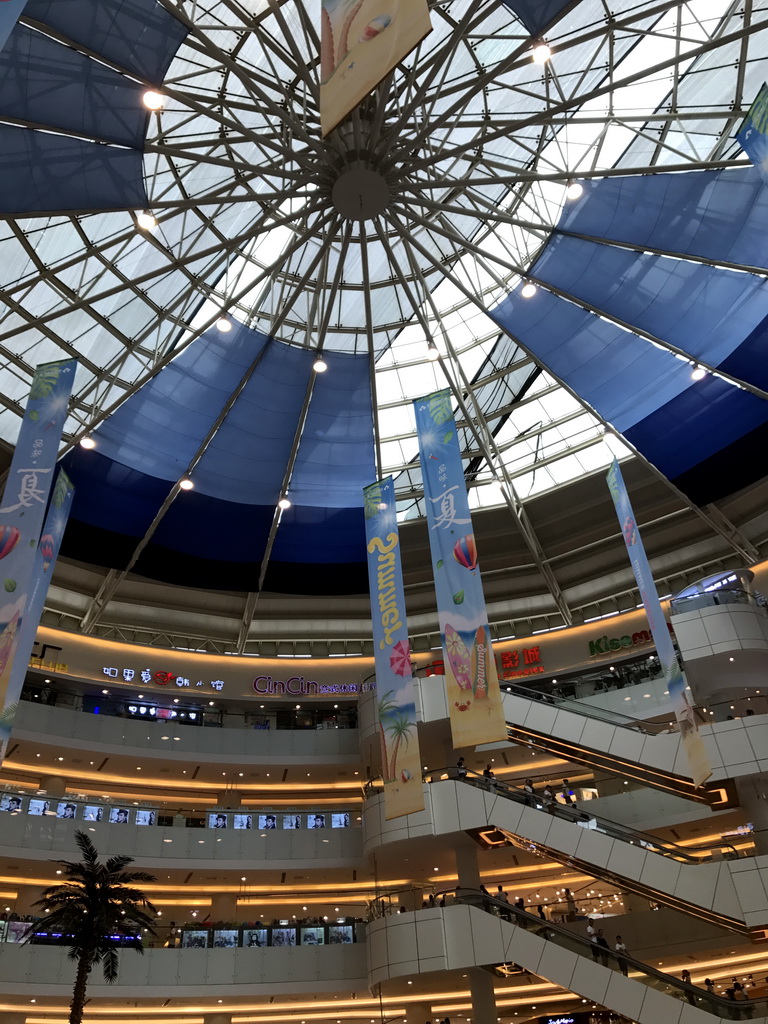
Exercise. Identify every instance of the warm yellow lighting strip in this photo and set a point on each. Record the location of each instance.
(243, 787)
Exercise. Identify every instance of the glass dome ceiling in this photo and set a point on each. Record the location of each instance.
(472, 149)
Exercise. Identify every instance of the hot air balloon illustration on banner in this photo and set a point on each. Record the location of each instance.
(47, 544)
(465, 551)
(9, 538)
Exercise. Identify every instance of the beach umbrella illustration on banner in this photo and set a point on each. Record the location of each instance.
(400, 658)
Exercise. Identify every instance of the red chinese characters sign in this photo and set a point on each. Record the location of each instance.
(518, 663)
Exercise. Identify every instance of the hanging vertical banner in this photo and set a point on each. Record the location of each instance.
(396, 701)
(10, 12)
(21, 519)
(45, 559)
(752, 136)
(472, 684)
(698, 760)
(360, 42)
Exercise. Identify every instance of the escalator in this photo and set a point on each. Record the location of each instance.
(647, 752)
(704, 882)
(481, 931)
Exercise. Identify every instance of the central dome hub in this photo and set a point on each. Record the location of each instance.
(360, 193)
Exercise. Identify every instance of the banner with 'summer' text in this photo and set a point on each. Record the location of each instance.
(395, 696)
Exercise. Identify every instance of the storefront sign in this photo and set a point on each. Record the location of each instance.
(516, 664)
(607, 645)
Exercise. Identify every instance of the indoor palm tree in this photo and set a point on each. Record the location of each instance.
(94, 908)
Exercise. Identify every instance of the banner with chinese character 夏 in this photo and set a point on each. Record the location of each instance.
(472, 684)
(10, 12)
(21, 520)
(698, 761)
(45, 559)
(753, 133)
(360, 42)
(396, 699)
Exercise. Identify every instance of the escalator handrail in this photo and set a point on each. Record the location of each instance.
(624, 833)
(711, 1002)
(587, 710)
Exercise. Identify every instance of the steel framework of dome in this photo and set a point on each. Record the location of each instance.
(408, 228)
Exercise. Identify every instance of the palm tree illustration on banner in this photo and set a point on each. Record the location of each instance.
(94, 908)
(384, 708)
(400, 728)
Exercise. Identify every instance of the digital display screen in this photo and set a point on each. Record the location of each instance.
(225, 938)
(254, 937)
(146, 817)
(10, 803)
(291, 821)
(315, 821)
(243, 821)
(218, 820)
(93, 813)
(267, 821)
(66, 810)
(194, 939)
(119, 816)
(313, 936)
(39, 807)
(340, 820)
(340, 933)
(283, 936)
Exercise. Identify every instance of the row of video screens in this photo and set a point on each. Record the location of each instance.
(229, 938)
(142, 816)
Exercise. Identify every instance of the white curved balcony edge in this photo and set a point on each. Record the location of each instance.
(459, 937)
(730, 888)
(77, 730)
(45, 971)
(38, 838)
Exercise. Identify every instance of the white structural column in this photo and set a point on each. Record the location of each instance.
(483, 996)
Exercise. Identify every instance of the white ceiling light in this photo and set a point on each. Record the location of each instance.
(574, 190)
(146, 220)
(432, 352)
(541, 53)
(528, 290)
(284, 503)
(87, 442)
(698, 372)
(186, 484)
(320, 365)
(224, 325)
(153, 100)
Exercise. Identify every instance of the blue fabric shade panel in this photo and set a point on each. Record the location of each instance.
(706, 436)
(216, 535)
(537, 14)
(72, 105)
